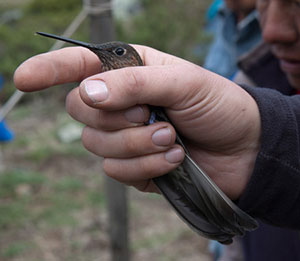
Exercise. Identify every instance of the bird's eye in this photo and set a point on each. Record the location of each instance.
(120, 51)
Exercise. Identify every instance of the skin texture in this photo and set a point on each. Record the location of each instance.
(219, 121)
(280, 22)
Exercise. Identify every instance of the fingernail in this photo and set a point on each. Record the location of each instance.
(174, 155)
(135, 114)
(162, 137)
(96, 90)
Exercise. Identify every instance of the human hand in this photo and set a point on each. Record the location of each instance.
(218, 120)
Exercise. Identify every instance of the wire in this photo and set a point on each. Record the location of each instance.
(71, 29)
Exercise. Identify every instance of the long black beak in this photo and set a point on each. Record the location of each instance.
(68, 40)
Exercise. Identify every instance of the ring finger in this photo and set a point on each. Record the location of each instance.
(129, 142)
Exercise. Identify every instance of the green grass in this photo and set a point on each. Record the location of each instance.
(96, 198)
(56, 216)
(40, 153)
(43, 143)
(10, 180)
(16, 249)
(51, 202)
(13, 215)
(14, 205)
(66, 184)
(155, 241)
(37, 198)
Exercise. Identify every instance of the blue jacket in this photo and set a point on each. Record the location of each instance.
(231, 40)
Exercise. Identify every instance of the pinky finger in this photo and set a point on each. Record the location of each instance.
(143, 168)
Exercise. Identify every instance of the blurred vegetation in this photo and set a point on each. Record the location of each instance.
(18, 41)
(173, 26)
(36, 197)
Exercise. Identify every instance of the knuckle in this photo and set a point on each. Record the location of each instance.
(70, 103)
(102, 121)
(108, 121)
(106, 168)
(130, 143)
(135, 80)
(82, 63)
(112, 168)
(84, 137)
(87, 140)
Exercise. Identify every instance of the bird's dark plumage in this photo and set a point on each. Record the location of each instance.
(192, 194)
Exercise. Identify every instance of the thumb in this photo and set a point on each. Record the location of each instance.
(173, 86)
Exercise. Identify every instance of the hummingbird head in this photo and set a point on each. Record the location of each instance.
(116, 55)
(113, 55)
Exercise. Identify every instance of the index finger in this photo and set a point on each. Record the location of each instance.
(71, 64)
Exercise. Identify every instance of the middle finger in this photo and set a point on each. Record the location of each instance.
(105, 120)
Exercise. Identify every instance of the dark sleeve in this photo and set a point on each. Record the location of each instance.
(273, 192)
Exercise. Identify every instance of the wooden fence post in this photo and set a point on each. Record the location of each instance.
(102, 30)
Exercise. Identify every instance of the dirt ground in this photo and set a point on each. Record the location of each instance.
(52, 200)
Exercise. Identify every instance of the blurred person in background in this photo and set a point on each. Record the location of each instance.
(236, 30)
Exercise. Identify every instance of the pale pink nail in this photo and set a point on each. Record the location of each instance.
(174, 155)
(96, 90)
